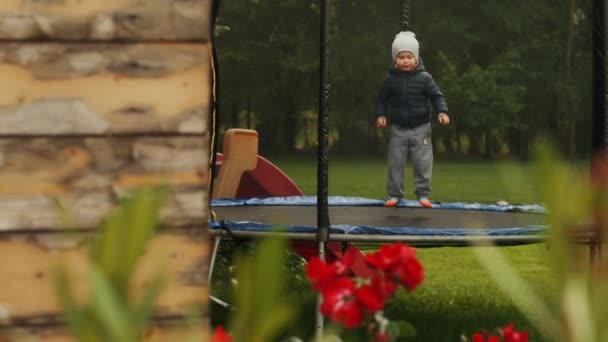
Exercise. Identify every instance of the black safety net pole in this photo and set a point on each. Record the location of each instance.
(214, 110)
(322, 165)
(405, 15)
(599, 133)
(323, 148)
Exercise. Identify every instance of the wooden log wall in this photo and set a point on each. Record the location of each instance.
(98, 98)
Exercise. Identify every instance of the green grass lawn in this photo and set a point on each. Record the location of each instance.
(458, 296)
(452, 181)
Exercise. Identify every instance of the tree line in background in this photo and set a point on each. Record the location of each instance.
(512, 71)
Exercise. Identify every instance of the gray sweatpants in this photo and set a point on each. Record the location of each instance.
(415, 142)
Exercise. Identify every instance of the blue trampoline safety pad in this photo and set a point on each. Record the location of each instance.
(364, 216)
(362, 201)
(367, 230)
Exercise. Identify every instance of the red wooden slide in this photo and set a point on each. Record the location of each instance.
(258, 177)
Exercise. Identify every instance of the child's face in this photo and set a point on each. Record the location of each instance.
(405, 61)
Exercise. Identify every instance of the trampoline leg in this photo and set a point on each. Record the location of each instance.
(216, 247)
(319, 318)
(221, 303)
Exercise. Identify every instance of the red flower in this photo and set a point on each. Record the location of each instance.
(477, 337)
(220, 335)
(343, 265)
(322, 273)
(384, 287)
(409, 273)
(400, 263)
(369, 298)
(382, 337)
(511, 335)
(349, 303)
(340, 304)
(390, 255)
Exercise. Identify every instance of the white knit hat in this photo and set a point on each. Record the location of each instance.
(405, 41)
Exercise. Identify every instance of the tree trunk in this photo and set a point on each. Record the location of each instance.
(234, 116)
(475, 142)
(514, 141)
(459, 143)
(248, 114)
(487, 145)
(291, 127)
(449, 144)
(572, 139)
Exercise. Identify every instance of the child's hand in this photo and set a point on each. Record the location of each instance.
(444, 119)
(381, 122)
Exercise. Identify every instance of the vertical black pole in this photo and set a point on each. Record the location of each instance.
(214, 110)
(322, 165)
(599, 133)
(405, 15)
(323, 151)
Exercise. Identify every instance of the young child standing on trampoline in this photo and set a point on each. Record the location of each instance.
(403, 100)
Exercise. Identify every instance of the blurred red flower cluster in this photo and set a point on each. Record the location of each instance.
(220, 335)
(509, 334)
(349, 300)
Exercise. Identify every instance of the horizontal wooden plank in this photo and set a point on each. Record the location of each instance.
(105, 20)
(64, 89)
(156, 333)
(28, 260)
(26, 292)
(51, 183)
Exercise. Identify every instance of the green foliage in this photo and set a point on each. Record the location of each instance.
(570, 201)
(112, 313)
(266, 66)
(500, 64)
(261, 313)
(573, 201)
(483, 94)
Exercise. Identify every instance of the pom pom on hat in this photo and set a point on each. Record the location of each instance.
(405, 41)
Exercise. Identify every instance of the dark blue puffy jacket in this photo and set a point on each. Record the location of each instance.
(404, 97)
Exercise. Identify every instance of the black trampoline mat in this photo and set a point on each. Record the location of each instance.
(380, 216)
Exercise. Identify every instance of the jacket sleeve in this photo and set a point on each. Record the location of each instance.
(436, 96)
(382, 99)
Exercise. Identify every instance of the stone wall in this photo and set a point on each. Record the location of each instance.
(98, 98)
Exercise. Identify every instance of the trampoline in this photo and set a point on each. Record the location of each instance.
(366, 221)
(327, 222)
(356, 219)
